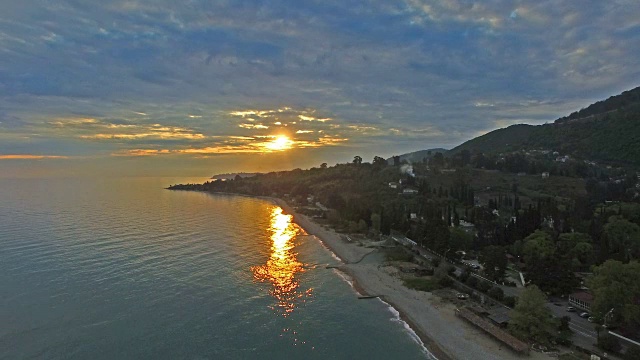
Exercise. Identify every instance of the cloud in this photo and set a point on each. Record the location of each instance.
(30, 157)
(11, 122)
(95, 78)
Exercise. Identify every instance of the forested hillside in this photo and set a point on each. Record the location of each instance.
(605, 131)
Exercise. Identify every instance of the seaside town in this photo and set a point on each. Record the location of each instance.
(536, 249)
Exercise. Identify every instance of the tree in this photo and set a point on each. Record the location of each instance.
(323, 166)
(577, 247)
(438, 160)
(357, 160)
(436, 235)
(379, 162)
(568, 241)
(609, 343)
(531, 319)
(460, 239)
(538, 245)
(376, 220)
(496, 293)
(623, 238)
(564, 331)
(362, 226)
(632, 353)
(617, 286)
(495, 262)
(552, 274)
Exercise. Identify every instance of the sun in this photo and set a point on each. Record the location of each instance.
(279, 143)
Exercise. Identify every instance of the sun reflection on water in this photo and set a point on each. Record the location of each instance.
(282, 266)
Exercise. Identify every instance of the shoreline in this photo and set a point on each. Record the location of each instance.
(433, 320)
(311, 228)
(443, 334)
(427, 341)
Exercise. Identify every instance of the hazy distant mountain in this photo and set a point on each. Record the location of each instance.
(417, 156)
(608, 130)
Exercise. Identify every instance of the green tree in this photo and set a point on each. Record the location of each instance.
(362, 226)
(357, 160)
(564, 331)
(623, 238)
(552, 274)
(577, 247)
(353, 227)
(568, 241)
(496, 293)
(617, 286)
(531, 319)
(538, 245)
(495, 262)
(460, 239)
(323, 166)
(376, 222)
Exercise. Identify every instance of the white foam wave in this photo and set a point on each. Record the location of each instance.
(333, 255)
(412, 334)
(347, 279)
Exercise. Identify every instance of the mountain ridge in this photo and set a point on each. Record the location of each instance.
(607, 130)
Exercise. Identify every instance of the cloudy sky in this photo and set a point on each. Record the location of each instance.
(196, 87)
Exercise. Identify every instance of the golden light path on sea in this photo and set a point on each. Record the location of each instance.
(282, 266)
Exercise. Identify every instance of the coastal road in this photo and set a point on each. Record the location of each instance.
(584, 333)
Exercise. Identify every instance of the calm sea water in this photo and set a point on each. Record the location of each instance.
(122, 269)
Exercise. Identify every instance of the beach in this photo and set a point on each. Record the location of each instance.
(432, 319)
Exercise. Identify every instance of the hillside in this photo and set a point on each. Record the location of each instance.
(607, 131)
(417, 156)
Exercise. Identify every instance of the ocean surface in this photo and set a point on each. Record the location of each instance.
(123, 269)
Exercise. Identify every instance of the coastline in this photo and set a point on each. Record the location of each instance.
(431, 319)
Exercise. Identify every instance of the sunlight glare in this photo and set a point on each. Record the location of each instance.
(282, 266)
(281, 142)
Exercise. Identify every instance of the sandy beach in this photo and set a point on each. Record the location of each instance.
(445, 335)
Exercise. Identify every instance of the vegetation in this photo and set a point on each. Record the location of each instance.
(487, 200)
(605, 131)
(422, 284)
(632, 353)
(531, 319)
(398, 254)
(617, 286)
(609, 343)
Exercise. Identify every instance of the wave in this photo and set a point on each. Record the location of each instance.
(412, 334)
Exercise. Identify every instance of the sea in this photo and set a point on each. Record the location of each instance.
(107, 268)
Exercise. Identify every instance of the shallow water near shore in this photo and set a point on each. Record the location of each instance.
(121, 268)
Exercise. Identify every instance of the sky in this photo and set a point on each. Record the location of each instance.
(196, 88)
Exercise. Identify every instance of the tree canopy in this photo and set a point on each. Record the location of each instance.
(616, 285)
(531, 319)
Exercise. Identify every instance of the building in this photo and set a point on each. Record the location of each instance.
(409, 191)
(582, 300)
(500, 316)
(545, 175)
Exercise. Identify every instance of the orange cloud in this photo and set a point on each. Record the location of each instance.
(30, 157)
(141, 152)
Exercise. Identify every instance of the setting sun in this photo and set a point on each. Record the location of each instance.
(281, 142)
